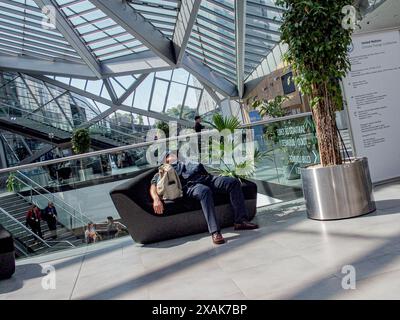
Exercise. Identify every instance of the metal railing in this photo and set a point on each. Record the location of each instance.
(273, 120)
(59, 199)
(144, 144)
(46, 243)
(73, 219)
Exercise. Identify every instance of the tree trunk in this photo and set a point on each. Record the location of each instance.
(325, 123)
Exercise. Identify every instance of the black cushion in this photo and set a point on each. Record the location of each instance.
(6, 241)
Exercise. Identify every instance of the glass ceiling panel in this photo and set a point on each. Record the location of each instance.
(161, 13)
(212, 38)
(102, 35)
(263, 20)
(22, 32)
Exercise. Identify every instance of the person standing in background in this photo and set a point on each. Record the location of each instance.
(50, 213)
(33, 218)
(198, 127)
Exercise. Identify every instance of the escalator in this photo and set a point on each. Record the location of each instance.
(54, 134)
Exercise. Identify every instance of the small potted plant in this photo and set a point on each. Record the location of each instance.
(81, 144)
(12, 183)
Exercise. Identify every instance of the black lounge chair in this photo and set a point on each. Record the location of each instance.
(7, 254)
(181, 217)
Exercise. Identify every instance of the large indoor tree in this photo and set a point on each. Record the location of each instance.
(318, 35)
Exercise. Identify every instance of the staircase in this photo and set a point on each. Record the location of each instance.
(17, 207)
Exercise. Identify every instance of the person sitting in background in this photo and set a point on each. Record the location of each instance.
(50, 216)
(91, 236)
(33, 218)
(113, 227)
(121, 231)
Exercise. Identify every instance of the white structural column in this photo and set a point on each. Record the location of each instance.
(240, 26)
(64, 26)
(198, 69)
(133, 22)
(184, 24)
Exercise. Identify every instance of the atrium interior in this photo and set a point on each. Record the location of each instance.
(91, 91)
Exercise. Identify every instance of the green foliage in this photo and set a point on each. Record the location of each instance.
(12, 184)
(221, 123)
(317, 43)
(240, 170)
(163, 126)
(81, 141)
(272, 108)
(318, 55)
(187, 112)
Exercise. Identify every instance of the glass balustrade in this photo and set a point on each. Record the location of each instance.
(79, 185)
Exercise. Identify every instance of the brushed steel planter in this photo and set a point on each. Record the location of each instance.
(338, 192)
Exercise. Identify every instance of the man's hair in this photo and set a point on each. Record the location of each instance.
(110, 218)
(197, 118)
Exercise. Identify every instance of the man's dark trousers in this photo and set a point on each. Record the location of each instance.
(203, 191)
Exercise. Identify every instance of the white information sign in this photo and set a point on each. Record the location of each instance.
(372, 90)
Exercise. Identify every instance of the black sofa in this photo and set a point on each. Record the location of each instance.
(181, 217)
(7, 254)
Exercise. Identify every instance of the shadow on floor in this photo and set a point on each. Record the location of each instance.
(180, 241)
(385, 207)
(22, 273)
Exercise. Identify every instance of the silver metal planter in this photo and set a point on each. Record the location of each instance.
(338, 192)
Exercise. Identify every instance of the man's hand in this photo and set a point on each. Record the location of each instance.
(158, 206)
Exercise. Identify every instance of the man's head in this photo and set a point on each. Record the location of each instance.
(197, 119)
(110, 219)
(170, 157)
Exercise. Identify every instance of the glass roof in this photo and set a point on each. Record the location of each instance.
(111, 39)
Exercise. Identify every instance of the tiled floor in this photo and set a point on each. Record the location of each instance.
(289, 257)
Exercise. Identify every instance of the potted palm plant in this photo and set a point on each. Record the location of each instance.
(317, 35)
(242, 169)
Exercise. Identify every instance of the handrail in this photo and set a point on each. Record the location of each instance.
(143, 144)
(33, 234)
(49, 199)
(26, 229)
(48, 192)
(100, 152)
(273, 120)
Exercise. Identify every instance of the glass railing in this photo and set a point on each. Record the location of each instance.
(285, 144)
(290, 144)
(281, 148)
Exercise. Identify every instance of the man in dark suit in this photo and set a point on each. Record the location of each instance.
(198, 184)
